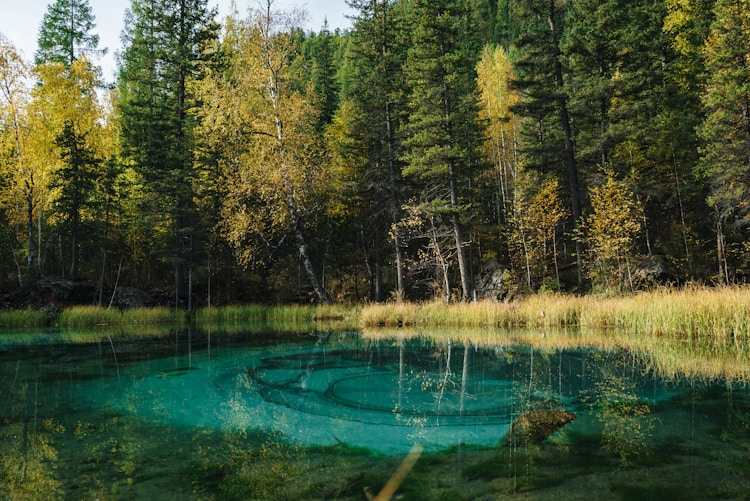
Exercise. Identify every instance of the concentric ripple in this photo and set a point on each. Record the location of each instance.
(345, 387)
(382, 396)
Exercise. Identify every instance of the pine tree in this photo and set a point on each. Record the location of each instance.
(549, 140)
(166, 45)
(375, 89)
(725, 154)
(444, 135)
(66, 33)
(76, 181)
(64, 97)
(318, 51)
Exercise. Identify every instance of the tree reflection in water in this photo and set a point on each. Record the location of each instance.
(326, 416)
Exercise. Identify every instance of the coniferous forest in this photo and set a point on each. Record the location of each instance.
(579, 146)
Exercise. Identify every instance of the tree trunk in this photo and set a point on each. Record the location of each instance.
(570, 159)
(312, 277)
(463, 265)
(73, 270)
(32, 272)
(309, 269)
(395, 209)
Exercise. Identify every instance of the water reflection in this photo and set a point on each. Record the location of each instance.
(213, 415)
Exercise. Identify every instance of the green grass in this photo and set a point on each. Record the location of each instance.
(295, 317)
(22, 318)
(96, 316)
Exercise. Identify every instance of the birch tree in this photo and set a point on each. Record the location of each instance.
(272, 163)
(17, 196)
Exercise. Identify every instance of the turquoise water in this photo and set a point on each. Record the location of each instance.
(151, 416)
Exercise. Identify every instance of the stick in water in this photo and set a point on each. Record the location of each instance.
(390, 488)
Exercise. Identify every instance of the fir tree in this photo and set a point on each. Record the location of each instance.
(66, 33)
(166, 44)
(444, 134)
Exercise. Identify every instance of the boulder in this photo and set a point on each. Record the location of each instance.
(650, 271)
(57, 291)
(131, 297)
(489, 283)
(533, 428)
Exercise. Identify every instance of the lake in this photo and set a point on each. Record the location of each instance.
(259, 413)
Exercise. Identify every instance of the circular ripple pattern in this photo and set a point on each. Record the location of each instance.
(387, 389)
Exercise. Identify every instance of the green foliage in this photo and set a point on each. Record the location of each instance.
(65, 33)
(166, 48)
(443, 132)
(76, 181)
(202, 161)
(726, 129)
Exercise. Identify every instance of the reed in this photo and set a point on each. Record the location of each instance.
(90, 316)
(22, 318)
(286, 314)
(685, 313)
(389, 315)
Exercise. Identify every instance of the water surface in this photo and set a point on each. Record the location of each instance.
(198, 415)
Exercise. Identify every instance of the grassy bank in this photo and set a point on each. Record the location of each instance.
(693, 312)
(680, 313)
(338, 316)
(95, 316)
(285, 313)
(10, 319)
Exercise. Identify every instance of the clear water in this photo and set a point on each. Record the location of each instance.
(323, 416)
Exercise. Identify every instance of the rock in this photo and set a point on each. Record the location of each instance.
(533, 428)
(650, 271)
(489, 284)
(48, 291)
(131, 297)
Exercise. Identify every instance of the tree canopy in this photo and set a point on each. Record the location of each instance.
(244, 159)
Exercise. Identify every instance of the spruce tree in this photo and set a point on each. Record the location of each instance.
(166, 43)
(549, 137)
(376, 90)
(444, 135)
(76, 180)
(725, 153)
(66, 33)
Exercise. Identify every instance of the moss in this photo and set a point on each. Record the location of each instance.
(650, 491)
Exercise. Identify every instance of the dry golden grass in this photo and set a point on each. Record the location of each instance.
(693, 312)
(695, 333)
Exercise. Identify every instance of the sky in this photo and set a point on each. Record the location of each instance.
(20, 21)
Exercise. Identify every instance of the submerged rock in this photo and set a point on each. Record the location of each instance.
(533, 428)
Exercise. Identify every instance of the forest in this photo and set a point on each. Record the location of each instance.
(587, 146)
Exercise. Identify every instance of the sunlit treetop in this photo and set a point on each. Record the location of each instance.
(66, 33)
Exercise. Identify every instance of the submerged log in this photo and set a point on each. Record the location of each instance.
(533, 428)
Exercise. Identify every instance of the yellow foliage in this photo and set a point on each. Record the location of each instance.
(261, 125)
(612, 229)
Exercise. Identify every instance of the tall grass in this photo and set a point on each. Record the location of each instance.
(22, 318)
(691, 312)
(338, 316)
(96, 316)
(345, 315)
